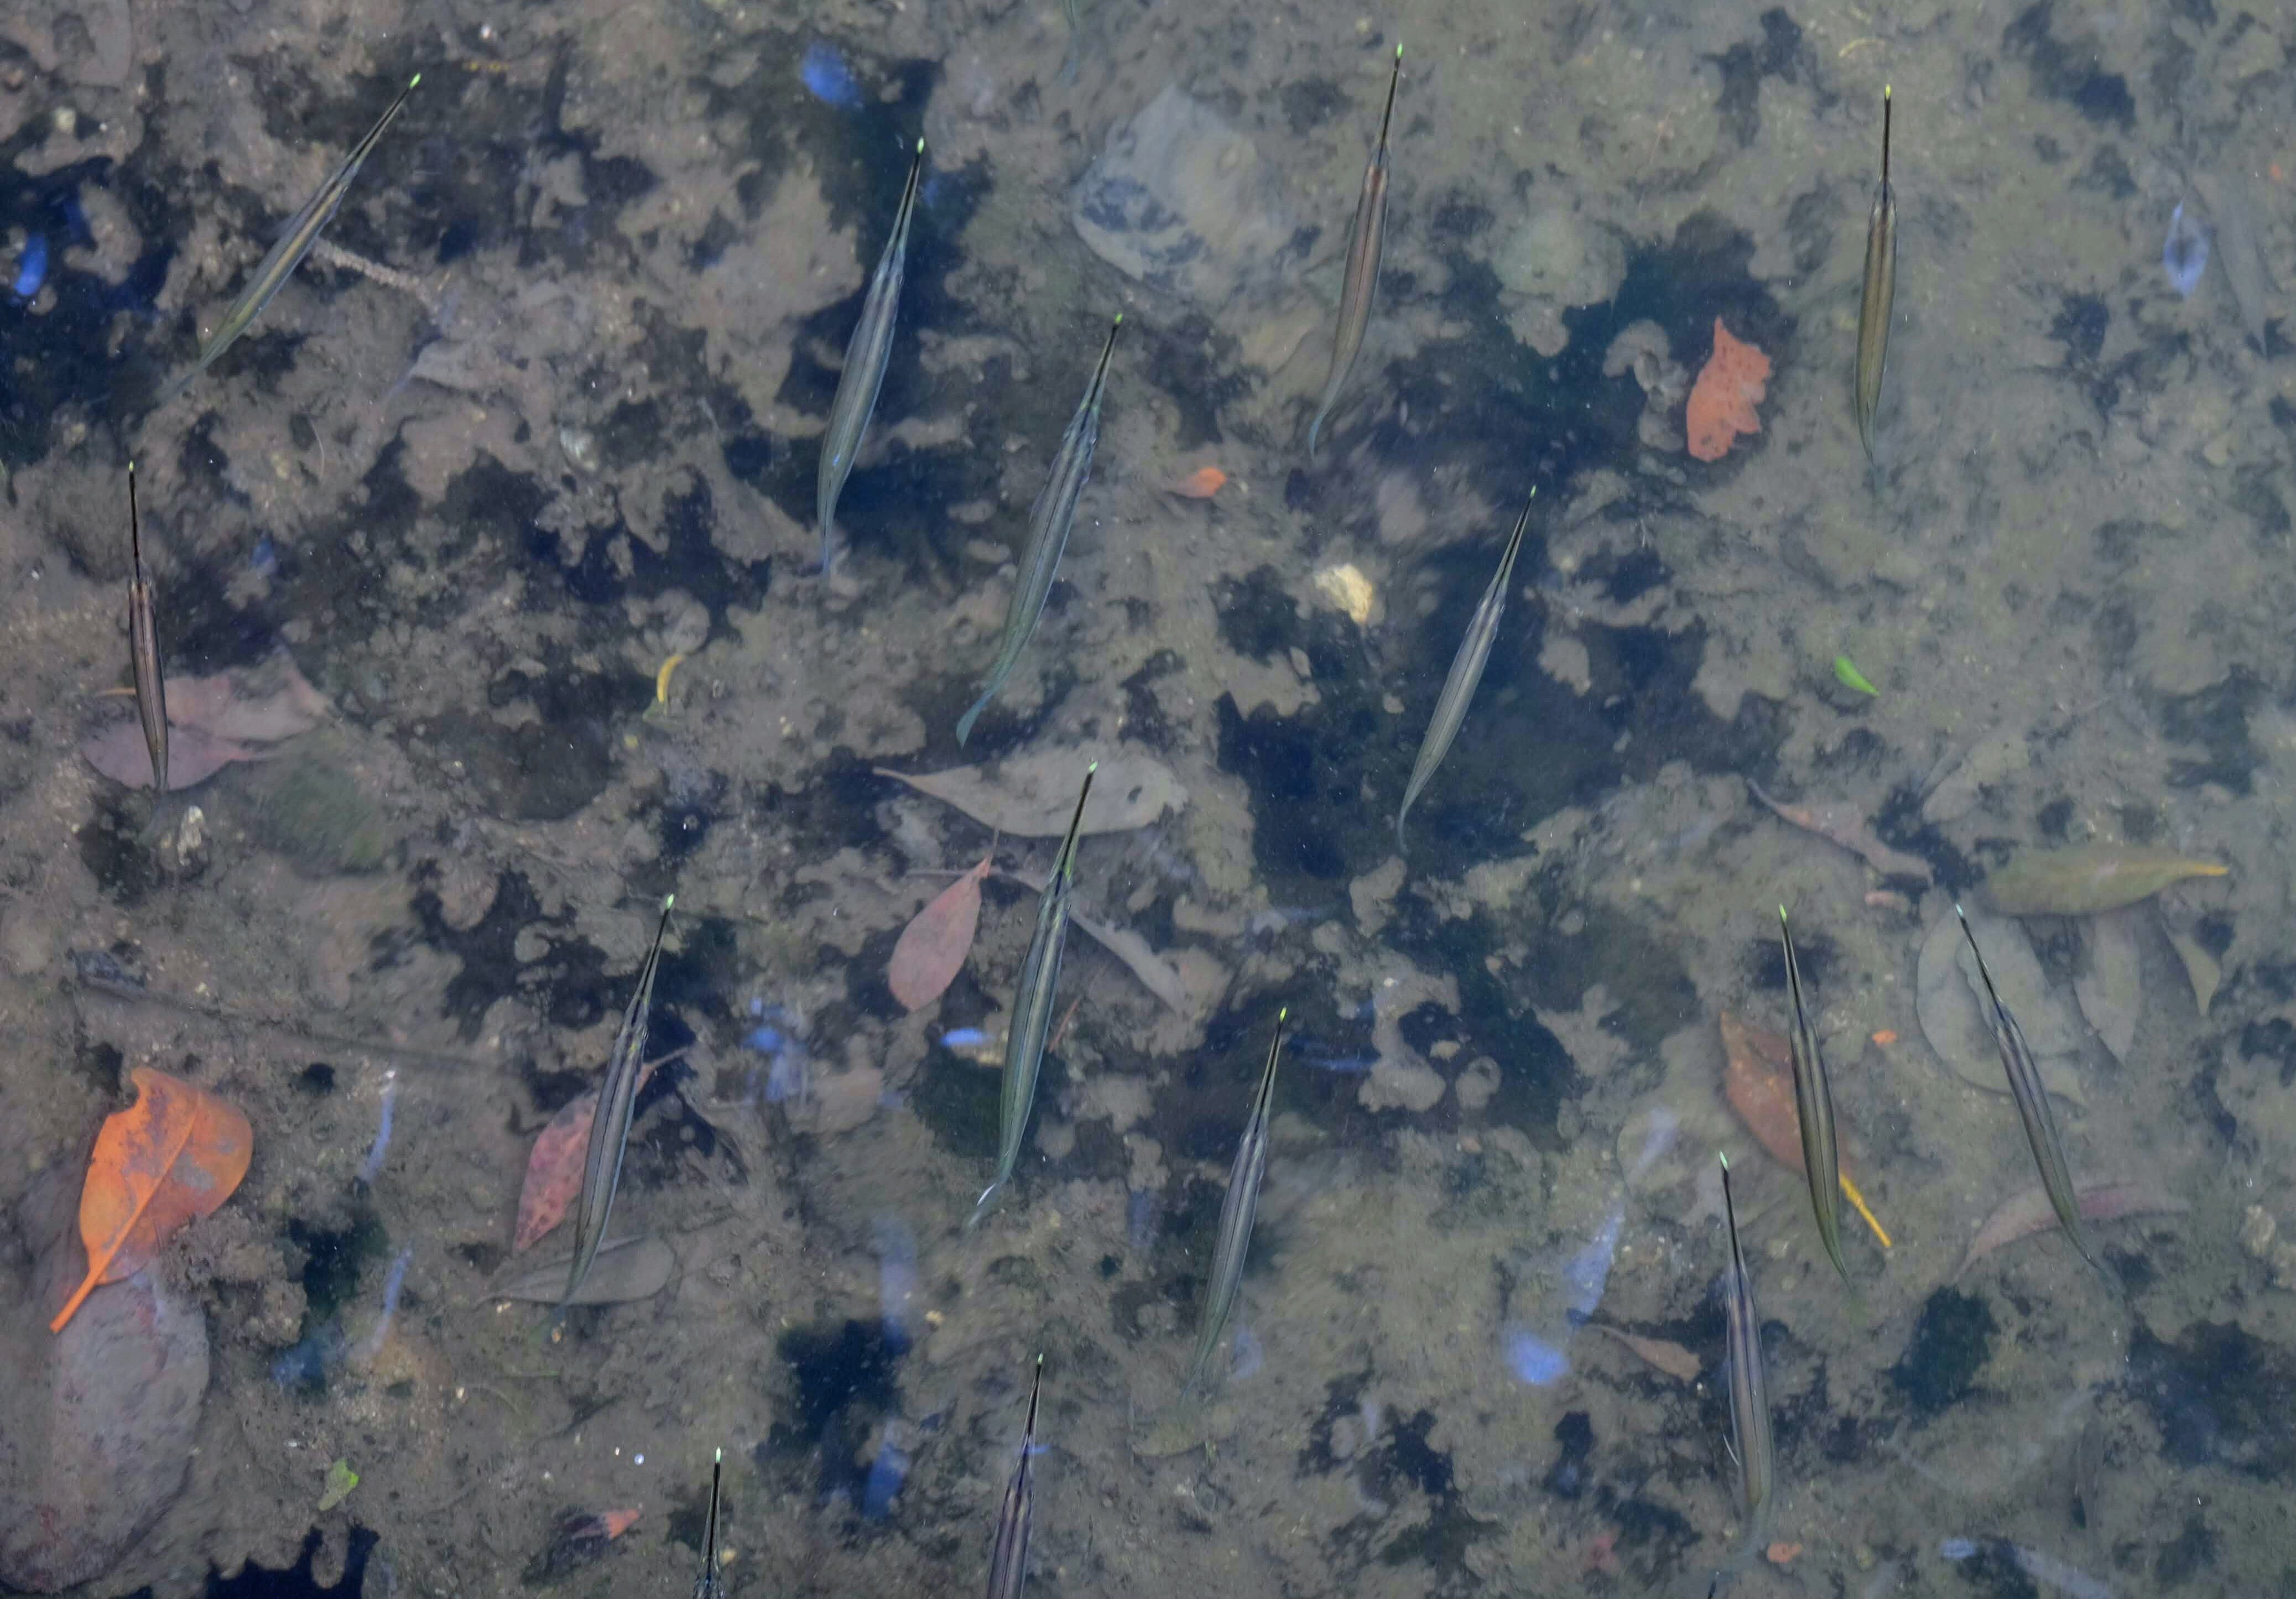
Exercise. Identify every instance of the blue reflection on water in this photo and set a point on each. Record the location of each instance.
(2185, 257)
(828, 77)
(32, 268)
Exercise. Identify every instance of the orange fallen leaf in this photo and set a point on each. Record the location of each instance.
(1781, 1554)
(1734, 380)
(1758, 1084)
(1200, 484)
(553, 1166)
(619, 1521)
(1886, 1036)
(163, 1162)
(932, 947)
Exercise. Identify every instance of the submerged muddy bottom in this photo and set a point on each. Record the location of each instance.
(521, 479)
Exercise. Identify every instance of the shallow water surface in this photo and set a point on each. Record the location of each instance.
(519, 472)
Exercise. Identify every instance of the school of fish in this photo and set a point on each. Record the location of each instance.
(940, 942)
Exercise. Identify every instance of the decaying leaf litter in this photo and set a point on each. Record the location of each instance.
(1651, 814)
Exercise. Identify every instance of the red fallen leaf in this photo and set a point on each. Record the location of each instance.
(170, 1158)
(580, 1536)
(933, 946)
(553, 1166)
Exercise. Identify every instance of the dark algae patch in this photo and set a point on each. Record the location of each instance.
(1950, 1345)
(2220, 1396)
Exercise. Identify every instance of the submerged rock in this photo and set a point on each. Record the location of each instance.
(1183, 201)
(97, 1422)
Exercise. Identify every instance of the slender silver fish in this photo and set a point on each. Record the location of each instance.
(1881, 293)
(1466, 672)
(609, 1127)
(1048, 535)
(871, 347)
(1032, 1008)
(1750, 1402)
(1237, 1212)
(2033, 1110)
(144, 649)
(1008, 1559)
(1361, 286)
(706, 1586)
(302, 232)
(1821, 1158)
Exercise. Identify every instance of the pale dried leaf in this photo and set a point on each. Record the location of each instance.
(1844, 825)
(2111, 990)
(2200, 968)
(1946, 998)
(1033, 795)
(626, 1268)
(1671, 1358)
(2088, 878)
(2028, 1213)
(212, 721)
(1154, 973)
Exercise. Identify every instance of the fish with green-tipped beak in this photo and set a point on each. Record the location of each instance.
(610, 1127)
(1008, 1558)
(1238, 1210)
(1049, 520)
(302, 232)
(144, 649)
(1880, 294)
(1360, 287)
(1467, 673)
(2032, 1099)
(1821, 1157)
(871, 347)
(1032, 1008)
(1755, 1451)
(706, 1586)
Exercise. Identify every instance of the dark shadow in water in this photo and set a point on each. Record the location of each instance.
(846, 1380)
(2221, 1397)
(60, 362)
(296, 1581)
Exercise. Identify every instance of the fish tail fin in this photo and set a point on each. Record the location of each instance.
(964, 722)
(989, 1198)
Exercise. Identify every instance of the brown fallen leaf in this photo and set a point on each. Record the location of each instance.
(166, 1160)
(212, 721)
(553, 1166)
(931, 948)
(1758, 1084)
(1841, 825)
(1671, 1358)
(2024, 1214)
